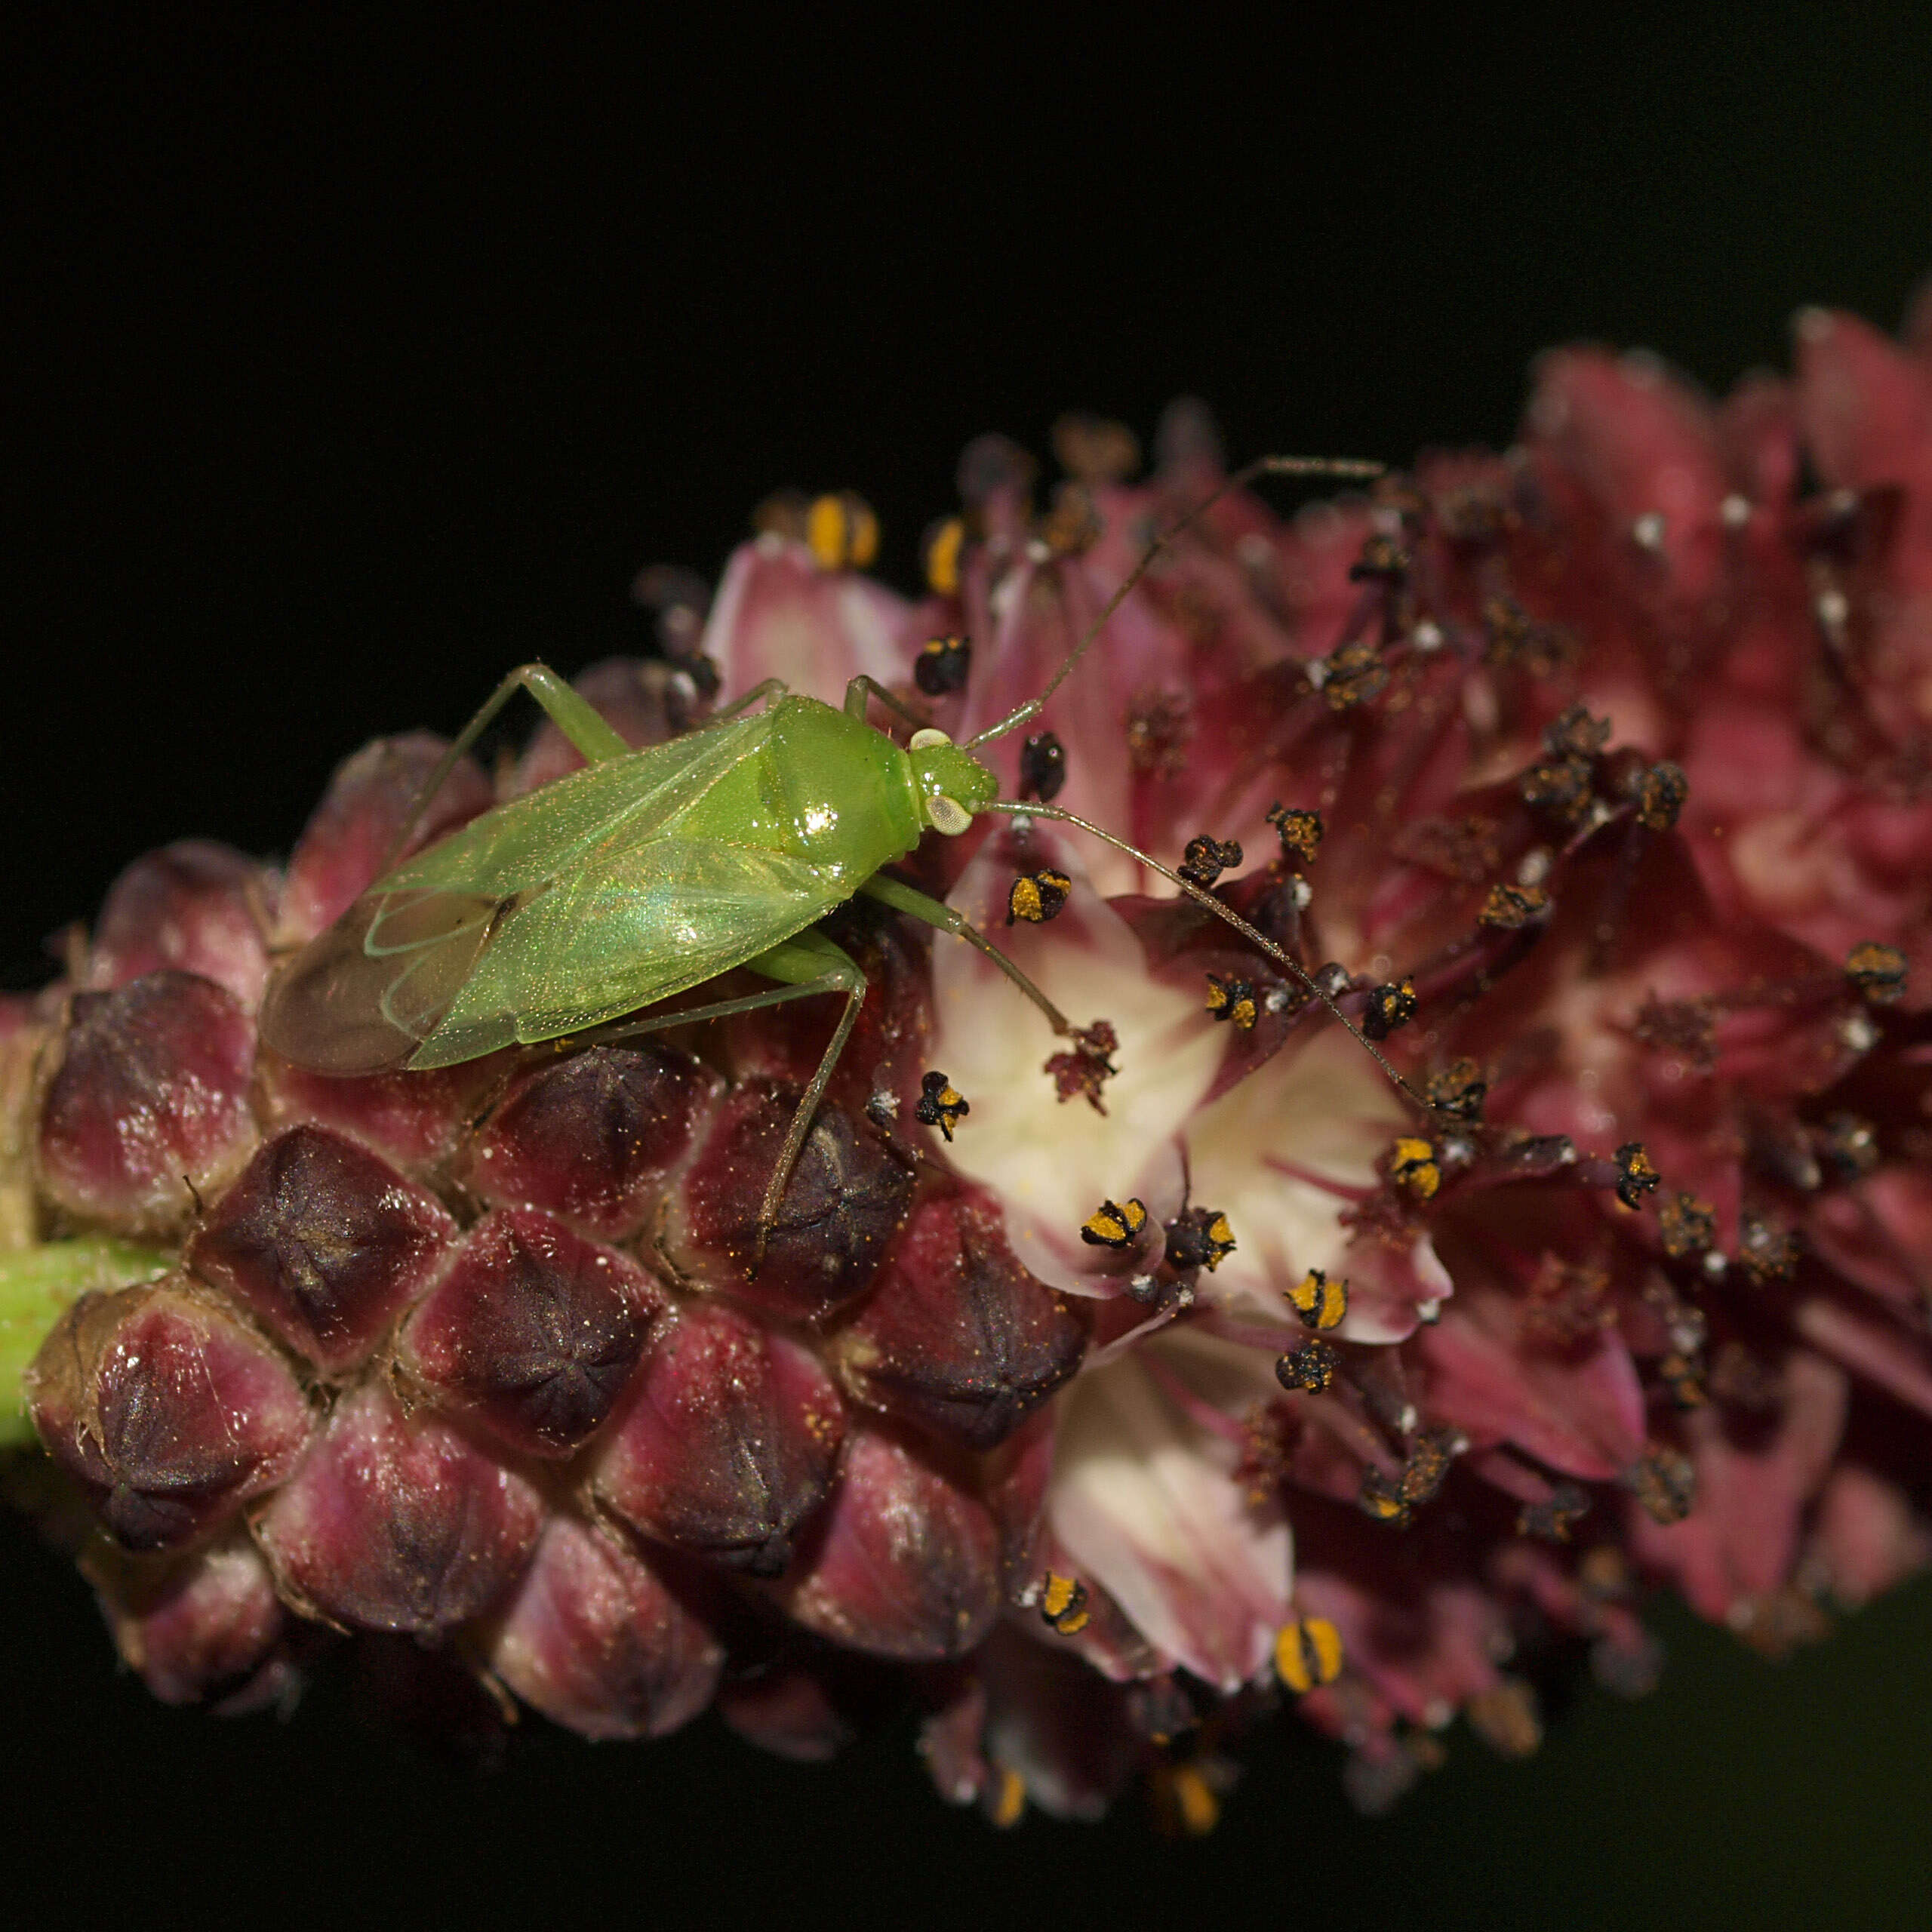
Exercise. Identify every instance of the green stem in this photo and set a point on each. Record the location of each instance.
(36, 1286)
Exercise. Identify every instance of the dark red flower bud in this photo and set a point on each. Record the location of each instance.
(727, 1441)
(208, 1626)
(957, 1334)
(397, 1521)
(149, 1106)
(417, 1120)
(847, 1198)
(533, 1331)
(324, 1242)
(195, 906)
(593, 1639)
(169, 1412)
(905, 1563)
(352, 833)
(593, 1137)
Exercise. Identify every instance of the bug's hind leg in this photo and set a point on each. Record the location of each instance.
(806, 964)
(902, 898)
(577, 719)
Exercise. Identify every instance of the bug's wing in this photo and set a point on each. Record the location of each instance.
(660, 918)
(364, 996)
(581, 821)
(340, 1009)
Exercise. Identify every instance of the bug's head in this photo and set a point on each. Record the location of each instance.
(952, 784)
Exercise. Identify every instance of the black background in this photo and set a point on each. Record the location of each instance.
(343, 369)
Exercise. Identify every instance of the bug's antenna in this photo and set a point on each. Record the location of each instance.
(1022, 809)
(1358, 467)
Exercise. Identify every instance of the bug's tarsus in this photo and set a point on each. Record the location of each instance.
(1361, 468)
(862, 688)
(1021, 809)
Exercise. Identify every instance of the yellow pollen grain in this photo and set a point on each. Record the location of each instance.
(1023, 903)
(1414, 1165)
(1010, 1801)
(942, 555)
(1307, 1653)
(1194, 1800)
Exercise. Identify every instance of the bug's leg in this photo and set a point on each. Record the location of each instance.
(902, 898)
(862, 687)
(806, 964)
(574, 716)
(769, 687)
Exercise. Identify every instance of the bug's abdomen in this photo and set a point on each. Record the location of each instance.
(820, 788)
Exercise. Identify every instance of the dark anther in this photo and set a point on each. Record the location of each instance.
(1850, 1145)
(1063, 1604)
(1768, 1251)
(1636, 1173)
(1381, 1496)
(1561, 785)
(1516, 639)
(1383, 560)
(1689, 1226)
(1042, 767)
(1513, 907)
(1205, 860)
(1114, 1224)
(942, 666)
(1877, 972)
(1554, 1518)
(941, 1104)
(1233, 1001)
(1312, 1366)
(1301, 830)
(1660, 796)
(1036, 897)
(1683, 1375)
(1199, 1237)
(1321, 1303)
(1430, 1457)
(1458, 1091)
(1083, 1072)
(1390, 1006)
(1663, 1482)
(1351, 676)
(1575, 734)
(1094, 448)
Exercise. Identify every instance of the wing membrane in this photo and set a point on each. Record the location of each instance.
(661, 918)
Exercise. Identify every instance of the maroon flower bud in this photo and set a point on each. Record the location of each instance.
(727, 1441)
(905, 1563)
(398, 1521)
(208, 1626)
(169, 1412)
(594, 1639)
(194, 905)
(352, 833)
(533, 1331)
(323, 1242)
(419, 1121)
(847, 1198)
(790, 1711)
(594, 1137)
(149, 1106)
(956, 1334)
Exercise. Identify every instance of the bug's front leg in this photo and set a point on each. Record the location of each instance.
(902, 898)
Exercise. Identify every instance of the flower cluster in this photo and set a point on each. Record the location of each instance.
(1098, 1394)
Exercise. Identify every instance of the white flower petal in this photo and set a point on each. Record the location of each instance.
(1145, 1502)
(1327, 1110)
(1052, 1162)
(778, 615)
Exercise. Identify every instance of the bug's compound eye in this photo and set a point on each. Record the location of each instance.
(924, 740)
(948, 815)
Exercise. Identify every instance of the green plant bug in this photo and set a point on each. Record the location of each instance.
(650, 872)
